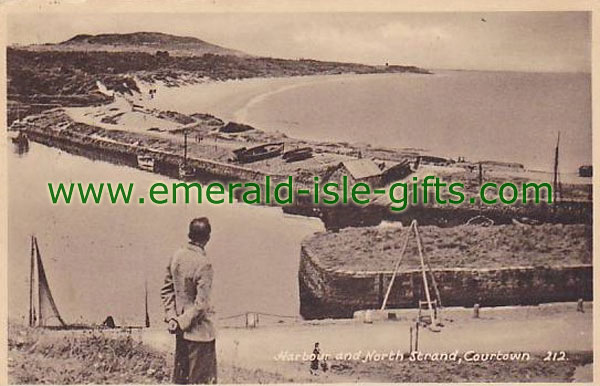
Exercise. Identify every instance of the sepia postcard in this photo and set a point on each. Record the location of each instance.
(298, 192)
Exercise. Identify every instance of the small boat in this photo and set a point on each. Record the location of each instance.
(397, 172)
(258, 153)
(145, 162)
(298, 154)
(186, 171)
(42, 308)
(585, 171)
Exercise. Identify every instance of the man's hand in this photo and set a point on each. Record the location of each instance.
(173, 326)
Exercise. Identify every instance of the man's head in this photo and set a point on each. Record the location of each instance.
(199, 231)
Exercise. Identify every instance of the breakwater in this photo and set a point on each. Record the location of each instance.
(338, 293)
(562, 212)
(97, 143)
(126, 154)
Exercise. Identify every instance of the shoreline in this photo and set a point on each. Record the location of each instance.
(241, 114)
(227, 101)
(211, 155)
(234, 99)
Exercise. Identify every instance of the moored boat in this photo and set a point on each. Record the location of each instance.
(585, 171)
(42, 308)
(298, 154)
(186, 171)
(145, 162)
(258, 153)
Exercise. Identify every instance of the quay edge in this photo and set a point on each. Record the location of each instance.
(330, 293)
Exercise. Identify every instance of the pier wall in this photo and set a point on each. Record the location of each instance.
(126, 154)
(331, 293)
(563, 212)
(333, 217)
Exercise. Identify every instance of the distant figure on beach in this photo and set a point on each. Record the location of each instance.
(186, 298)
(314, 363)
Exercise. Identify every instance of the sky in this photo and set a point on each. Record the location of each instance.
(510, 41)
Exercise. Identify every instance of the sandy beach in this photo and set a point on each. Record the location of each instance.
(231, 99)
(405, 195)
(479, 115)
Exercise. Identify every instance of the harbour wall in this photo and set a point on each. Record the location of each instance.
(333, 293)
(333, 217)
(562, 212)
(165, 163)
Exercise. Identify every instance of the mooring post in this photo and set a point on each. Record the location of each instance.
(417, 337)
(380, 289)
(476, 311)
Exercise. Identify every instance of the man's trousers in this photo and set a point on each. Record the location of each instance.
(195, 362)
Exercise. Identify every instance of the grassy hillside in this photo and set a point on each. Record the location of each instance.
(38, 356)
(148, 42)
(55, 77)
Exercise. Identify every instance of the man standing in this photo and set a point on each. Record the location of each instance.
(186, 298)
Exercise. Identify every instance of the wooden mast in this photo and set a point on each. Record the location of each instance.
(44, 306)
(31, 318)
(38, 271)
(555, 185)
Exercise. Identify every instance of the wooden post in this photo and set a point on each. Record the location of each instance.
(380, 288)
(411, 340)
(185, 147)
(417, 337)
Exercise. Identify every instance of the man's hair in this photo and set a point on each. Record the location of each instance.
(199, 230)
